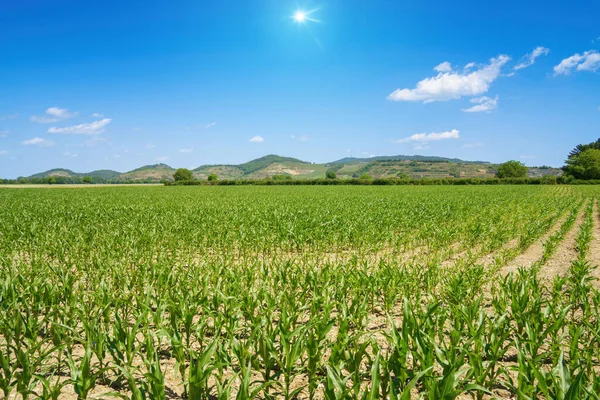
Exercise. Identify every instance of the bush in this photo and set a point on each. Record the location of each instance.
(331, 175)
(213, 178)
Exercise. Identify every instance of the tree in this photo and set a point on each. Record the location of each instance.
(512, 169)
(583, 147)
(51, 180)
(183, 174)
(87, 179)
(213, 178)
(365, 177)
(584, 165)
(331, 175)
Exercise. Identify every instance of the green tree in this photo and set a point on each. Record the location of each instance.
(183, 174)
(583, 147)
(51, 180)
(331, 175)
(512, 169)
(365, 177)
(213, 178)
(87, 179)
(584, 165)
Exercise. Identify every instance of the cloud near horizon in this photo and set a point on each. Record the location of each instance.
(93, 128)
(37, 141)
(428, 137)
(451, 85)
(257, 139)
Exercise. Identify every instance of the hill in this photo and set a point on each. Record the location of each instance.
(106, 174)
(352, 160)
(268, 166)
(148, 173)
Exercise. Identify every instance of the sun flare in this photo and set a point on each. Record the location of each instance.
(303, 16)
(300, 16)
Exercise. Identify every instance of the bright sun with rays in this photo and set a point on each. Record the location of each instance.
(302, 16)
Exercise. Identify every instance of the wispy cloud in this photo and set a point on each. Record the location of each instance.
(588, 61)
(257, 139)
(302, 138)
(53, 114)
(473, 145)
(7, 117)
(429, 137)
(211, 125)
(3, 152)
(449, 85)
(97, 115)
(529, 59)
(150, 146)
(69, 154)
(162, 159)
(185, 151)
(37, 141)
(93, 128)
(4, 134)
(483, 104)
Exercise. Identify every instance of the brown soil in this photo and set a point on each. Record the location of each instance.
(594, 254)
(533, 253)
(566, 252)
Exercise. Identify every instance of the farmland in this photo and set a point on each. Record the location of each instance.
(300, 292)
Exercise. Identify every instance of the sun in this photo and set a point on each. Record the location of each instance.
(300, 17)
(303, 16)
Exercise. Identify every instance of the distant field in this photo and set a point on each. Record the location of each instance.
(300, 292)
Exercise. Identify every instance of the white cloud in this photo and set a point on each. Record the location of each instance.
(257, 139)
(469, 66)
(191, 149)
(4, 134)
(483, 104)
(69, 154)
(473, 145)
(162, 159)
(97, 115)
(588, 61)
(137, 129)
(3, 152)
(302, 138)
(211, 125)
(150, 146)
(93, 128)
(453, 85)
(444, 67)
(53, 114)
(37, 142)
(428, 137)
(529, 59)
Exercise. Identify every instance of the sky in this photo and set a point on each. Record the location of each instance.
(120, 84)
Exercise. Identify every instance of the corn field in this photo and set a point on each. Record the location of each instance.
(300, 293)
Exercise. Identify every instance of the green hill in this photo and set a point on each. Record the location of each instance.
(272, 165)
(148, 173)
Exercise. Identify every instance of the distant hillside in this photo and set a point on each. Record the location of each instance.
(148, 173)
(352, 160)
(106, 174)
(271, 165)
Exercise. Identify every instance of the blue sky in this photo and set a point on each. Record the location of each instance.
(119, 84)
